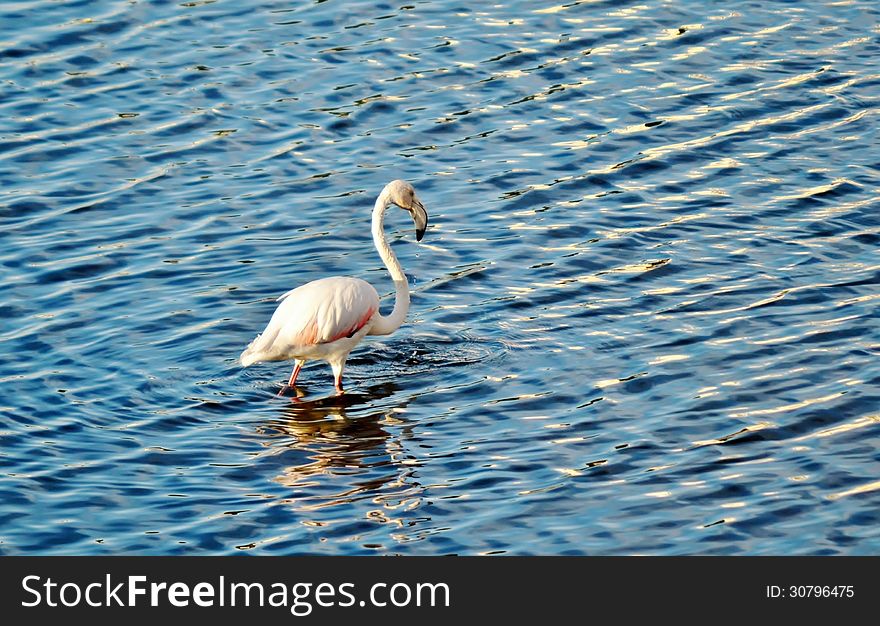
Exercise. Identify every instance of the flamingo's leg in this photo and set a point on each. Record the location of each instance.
(297, 367)
(338, 366)
(292, 380)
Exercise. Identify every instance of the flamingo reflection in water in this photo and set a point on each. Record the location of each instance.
(364, 452)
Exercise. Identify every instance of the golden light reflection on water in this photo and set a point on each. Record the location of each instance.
(669, 358)
(817, 190)
(785, 408)
(862, 422)
(867, 488)
(743, 431)
(745, 127)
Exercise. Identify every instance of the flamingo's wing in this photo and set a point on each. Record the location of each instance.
(318, 312)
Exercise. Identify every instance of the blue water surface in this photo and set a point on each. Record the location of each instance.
(644, 317)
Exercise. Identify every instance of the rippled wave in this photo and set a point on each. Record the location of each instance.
(644, 319)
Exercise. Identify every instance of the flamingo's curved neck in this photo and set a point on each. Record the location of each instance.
(385, 325)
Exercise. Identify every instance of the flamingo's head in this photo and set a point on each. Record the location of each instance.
(402, 194)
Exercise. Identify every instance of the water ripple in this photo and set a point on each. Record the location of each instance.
(643, 319)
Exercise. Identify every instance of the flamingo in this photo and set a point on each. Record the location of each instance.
(325, 319)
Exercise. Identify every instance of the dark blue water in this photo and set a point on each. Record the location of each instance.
(644, 317)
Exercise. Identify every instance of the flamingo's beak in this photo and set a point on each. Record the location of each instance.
(420, 217)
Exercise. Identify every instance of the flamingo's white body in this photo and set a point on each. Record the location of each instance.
(325, 319)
